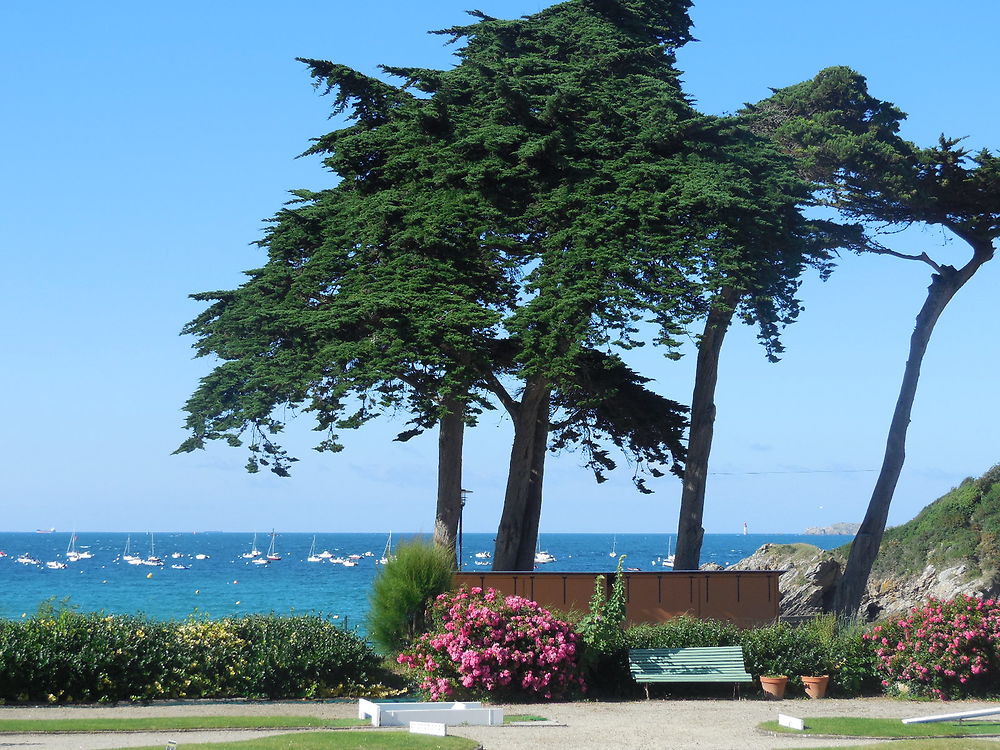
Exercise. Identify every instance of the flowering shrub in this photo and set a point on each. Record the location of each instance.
(947, 649)
(487, 644)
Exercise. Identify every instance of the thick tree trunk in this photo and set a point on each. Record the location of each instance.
(451, 435)
(522, 500)
(533, 509)
(689, 524)
(866, 543)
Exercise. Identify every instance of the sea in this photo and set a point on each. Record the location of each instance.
(208, 575)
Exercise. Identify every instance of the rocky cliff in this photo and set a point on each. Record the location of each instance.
(952, 547)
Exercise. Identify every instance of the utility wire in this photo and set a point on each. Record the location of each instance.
(803, 471)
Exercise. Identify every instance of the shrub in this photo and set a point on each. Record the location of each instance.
(486, 645)
(65, 656)
(782, 650)
(301, 657)
(403, 591)
(601, 631)
(683, 632)
(848, 657)
(947, 649)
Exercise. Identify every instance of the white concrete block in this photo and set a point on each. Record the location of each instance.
(435, 728)
(791, 722)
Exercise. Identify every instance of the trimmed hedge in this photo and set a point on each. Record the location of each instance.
(68, 657)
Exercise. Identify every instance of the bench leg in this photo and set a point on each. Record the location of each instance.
(646, 685)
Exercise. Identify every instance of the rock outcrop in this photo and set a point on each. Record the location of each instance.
(809, 584)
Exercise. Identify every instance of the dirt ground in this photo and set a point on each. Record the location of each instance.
(632, 725)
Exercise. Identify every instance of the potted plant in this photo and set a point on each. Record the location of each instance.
(814, 669)
(774, 685)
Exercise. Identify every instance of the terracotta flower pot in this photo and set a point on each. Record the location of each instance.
(774, 686)
(816, 686)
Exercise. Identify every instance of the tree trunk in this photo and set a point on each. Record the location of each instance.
(533, 509)
(689, 529)
(865, 547)
(522, 500)
(451, 434)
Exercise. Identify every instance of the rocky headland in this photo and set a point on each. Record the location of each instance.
(835, 529)
(952, 547)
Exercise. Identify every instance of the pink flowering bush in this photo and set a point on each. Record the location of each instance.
(947, 649)
(485, 644)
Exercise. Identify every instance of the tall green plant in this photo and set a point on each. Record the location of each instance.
(602, 634)
(403, 591)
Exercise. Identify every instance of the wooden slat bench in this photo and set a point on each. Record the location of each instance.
(709, 664)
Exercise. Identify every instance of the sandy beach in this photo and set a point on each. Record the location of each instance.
(630, 725)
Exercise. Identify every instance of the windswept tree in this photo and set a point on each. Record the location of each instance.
(848, 142)
(413, 284)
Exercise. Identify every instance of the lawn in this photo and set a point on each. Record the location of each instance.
(166, 723)
(336, 741)
(929, 744)
(847, 726)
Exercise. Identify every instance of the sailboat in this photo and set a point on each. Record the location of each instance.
(542, 557)
(668, 561)
(271, 554)
(614, 547)
(71, 554)
(313, 557)
(127, 555)
(152, 559)
(387, 553)
(254, 552)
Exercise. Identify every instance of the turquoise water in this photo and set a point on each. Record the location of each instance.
(226, 584)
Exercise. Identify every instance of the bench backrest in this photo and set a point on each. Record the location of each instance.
(716, 662)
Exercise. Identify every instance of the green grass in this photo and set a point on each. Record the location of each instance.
(847, 726)
(335, 741)
(173, 722)
(522, 717)
(939, 744)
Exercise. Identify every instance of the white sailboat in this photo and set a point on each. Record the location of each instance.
(152, 559)
(387, 553)
(668, 561)
(127, 555)
(614, 547)
(542, 557)
(72, 554)
(254, 552)
(313, 557)
(271, 554)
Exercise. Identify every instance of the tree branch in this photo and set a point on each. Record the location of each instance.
(923, 257)
(494, 385)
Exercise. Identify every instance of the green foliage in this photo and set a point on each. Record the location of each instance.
(849, 658)
(782, 650)
(962, 526)
(603, 659)
(301, 657)
(403, 592)
(683, 632)
(66, 656)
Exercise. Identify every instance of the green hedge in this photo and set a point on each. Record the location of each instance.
(67, 656)
(821, 646)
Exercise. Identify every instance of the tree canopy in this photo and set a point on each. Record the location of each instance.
(497, 233)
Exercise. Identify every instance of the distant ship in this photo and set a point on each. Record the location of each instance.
(45, 531)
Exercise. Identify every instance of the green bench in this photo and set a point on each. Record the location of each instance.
(714, 664)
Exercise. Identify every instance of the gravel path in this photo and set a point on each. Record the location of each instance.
(634, 725)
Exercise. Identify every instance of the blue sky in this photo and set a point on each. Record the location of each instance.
(144, 144)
